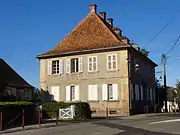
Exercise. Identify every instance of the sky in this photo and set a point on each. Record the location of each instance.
(32, 27)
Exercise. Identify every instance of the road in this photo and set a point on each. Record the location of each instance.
(119, 126)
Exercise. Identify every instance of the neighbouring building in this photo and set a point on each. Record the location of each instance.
(12, 86)
(97, 64)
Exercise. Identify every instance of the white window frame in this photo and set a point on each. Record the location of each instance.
(92, 64)
(56, 71)
(111, 61)
(106, 92)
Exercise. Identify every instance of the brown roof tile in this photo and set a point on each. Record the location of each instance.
(91, 33)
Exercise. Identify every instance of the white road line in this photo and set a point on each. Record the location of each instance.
(165, 121)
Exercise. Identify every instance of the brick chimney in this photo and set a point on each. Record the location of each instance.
(103, 15)
(93, 8)
(110, 21)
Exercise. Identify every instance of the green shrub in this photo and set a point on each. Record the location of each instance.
(51, 109)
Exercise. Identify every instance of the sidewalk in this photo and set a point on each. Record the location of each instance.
(30, 127)
(151, 115)
(48, 124)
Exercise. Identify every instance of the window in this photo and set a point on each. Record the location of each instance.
(141, 88)
(147, 94)
(137, 92)
(110, 91)
(112, 62)
(151, 94)
(72, 93)
(55, 67)
(92, 63)
(74, 65)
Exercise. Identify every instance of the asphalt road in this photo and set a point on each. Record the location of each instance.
(135, 126)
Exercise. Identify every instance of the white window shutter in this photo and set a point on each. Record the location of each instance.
(68, 93)
(60, 66)
(141, 93)
(104, 92)
(49, 67)
(80, 64)
(68, 65)
(55, 93)
(115, 92)
(92, 92)
(76, 92)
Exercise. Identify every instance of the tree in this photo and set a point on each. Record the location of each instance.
(178, 90)
(144, 52)
(36, 97)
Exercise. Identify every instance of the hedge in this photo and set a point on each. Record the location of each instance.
(82, 109)
(12, 113)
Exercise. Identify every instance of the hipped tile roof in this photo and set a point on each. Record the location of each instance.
(91, 33)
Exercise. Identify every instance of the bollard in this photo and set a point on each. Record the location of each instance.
(57, 119)
(147, 110)
(39, 117)
(1, 121)
(106, 112)
(22, 119)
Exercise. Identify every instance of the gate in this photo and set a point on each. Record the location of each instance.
(67, 113)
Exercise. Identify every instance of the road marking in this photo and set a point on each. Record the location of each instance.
(165, 121)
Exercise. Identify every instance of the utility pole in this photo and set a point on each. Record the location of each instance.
(164, 62)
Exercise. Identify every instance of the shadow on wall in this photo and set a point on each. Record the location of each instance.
(46, 96)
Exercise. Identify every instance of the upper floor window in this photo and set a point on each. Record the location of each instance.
(74, 65)
(55, 67)
(112, 62)
(92, 63)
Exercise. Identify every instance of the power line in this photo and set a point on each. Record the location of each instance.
(161, 30)
(175, 43)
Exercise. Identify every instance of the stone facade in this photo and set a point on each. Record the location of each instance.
(102, 76)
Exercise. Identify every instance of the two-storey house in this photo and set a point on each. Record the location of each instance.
(96, 64)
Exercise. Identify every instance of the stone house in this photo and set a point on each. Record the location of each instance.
(97, 64)
(12, 86)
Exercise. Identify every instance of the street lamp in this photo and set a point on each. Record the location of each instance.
(137, 67)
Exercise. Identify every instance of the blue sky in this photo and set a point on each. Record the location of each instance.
(31, 27)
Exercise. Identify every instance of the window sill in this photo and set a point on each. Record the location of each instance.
(75, 73)
(111, 101)
(112, 71)
(93, 72)
(93, 100)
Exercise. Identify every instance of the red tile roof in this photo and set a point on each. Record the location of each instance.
(91, 33)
